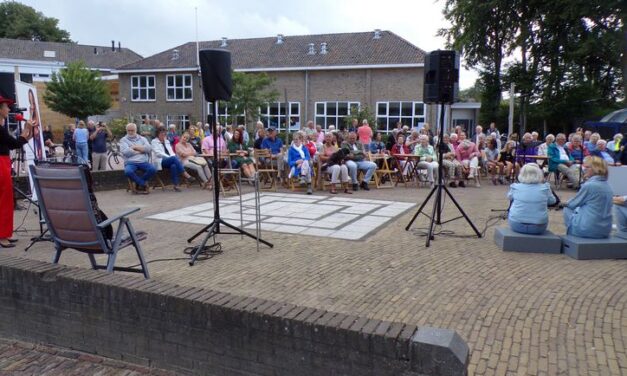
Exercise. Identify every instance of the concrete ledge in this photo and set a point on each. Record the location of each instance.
(195, 331)
(594, 249)
(511, 241)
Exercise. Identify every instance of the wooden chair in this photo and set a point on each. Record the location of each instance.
(71, 213)
(383, 176)
(266, 170)
(228, 176)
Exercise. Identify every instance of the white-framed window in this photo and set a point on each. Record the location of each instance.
(328, 113)
(408, 113)
(143, 88)
(139, 118)
(274, 115)
(178, 87)
(181, 121)
(225, 114)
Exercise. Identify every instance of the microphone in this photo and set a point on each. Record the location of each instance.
(19, 117)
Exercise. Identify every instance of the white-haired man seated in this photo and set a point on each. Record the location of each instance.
(136, 152)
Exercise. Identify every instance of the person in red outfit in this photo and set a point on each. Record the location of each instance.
(8, 142)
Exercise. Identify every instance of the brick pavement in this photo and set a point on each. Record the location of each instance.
(19, 358)
(520, 313)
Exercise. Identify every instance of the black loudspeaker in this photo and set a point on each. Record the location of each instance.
(441, 83)
(215, 67)
(7, 85)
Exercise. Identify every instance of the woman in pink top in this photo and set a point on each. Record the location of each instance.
(185, 151)
(468, 154)
(365, 134)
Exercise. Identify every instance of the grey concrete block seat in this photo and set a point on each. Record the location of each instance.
(594, 249)
(511, 241)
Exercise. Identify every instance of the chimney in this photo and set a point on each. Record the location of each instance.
(112, 45)
(323, 48)
(119, 46)
(377, 34)
(279, 39)
(312, 49)
(175, 54)
(224, 43)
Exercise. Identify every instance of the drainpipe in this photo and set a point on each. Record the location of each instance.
(306, 117)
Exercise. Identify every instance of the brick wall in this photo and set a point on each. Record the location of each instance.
(160, 106)
(192, 330)
(366, 86)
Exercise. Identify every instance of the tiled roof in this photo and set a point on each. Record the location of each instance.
(105, 58)
(347, 49)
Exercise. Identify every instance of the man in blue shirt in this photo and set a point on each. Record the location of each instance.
(98, 140)
(274, 144)
(602, 152)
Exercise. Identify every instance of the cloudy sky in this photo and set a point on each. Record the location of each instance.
(151, 26)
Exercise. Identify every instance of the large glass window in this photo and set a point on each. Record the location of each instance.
(179, 87)
(411, 114)
(333, 113)
(274, 115)
(225, 114)
(142, 88)
(181, 121)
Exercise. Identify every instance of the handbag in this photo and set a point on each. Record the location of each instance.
(198, 160)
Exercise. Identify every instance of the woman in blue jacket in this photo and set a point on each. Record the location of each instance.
(528, 213)
(589, 213)
(300, 163)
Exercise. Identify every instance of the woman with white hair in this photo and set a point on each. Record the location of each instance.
(614, 145)
(530, 197)
(428, 158)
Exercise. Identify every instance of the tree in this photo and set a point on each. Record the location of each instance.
(77, 91)
(473, 93)
(23, 22)
(251, 91)
(560, 53)
(481, 31)
(361, 113)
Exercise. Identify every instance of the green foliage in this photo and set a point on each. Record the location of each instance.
(473, 93)
(565, 55)
(23, 22)
(77, 91)
(250, 92)
(360, 114)
(118, 127)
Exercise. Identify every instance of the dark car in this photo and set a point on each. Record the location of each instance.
(610, 124)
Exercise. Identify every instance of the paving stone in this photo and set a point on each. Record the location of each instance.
(512, 309)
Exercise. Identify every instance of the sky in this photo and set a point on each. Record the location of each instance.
(151, 26)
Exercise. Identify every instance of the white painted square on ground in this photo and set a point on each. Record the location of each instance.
(340, 218)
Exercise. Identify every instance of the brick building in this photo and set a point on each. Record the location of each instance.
(324, 76)
(34, 62)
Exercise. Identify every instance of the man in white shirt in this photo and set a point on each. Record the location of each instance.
(163, 156)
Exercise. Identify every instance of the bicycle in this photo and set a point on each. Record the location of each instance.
(113, 154)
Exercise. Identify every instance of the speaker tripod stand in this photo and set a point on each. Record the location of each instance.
(215, 68)
(438, 192)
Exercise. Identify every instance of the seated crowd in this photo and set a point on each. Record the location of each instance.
(345, 156)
